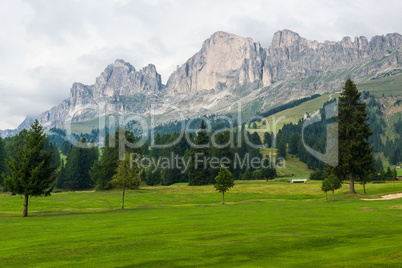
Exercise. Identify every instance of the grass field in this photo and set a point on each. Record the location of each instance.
(263, 224)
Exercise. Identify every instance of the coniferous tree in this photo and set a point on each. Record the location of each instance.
(255, 139)
(56, 154)
(198, 174)
(355, 152)
(282, 148)
(293, 143)
(65, 147)
(268, 139)
(31, 170)
(153, 176)
(379, 165)
(268, 171)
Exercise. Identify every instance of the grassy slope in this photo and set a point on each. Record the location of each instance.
(263, 225)
(293, 165)
(388, 86)
(293, 115)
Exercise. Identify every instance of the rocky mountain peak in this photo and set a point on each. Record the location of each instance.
(121, 78)
(119, 63)
(284, 38)
(225, 61)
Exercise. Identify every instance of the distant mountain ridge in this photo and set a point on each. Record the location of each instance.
(228, 69)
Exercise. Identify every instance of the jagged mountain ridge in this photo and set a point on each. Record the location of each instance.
(230, 68)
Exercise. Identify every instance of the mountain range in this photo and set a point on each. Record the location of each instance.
(227, 70)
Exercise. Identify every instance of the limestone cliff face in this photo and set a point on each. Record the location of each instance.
(225, 61)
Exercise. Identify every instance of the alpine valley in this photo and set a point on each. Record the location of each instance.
(228, 70)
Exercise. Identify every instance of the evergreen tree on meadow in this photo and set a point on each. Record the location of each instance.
(198, 175)
(31, 171)
(355, 152)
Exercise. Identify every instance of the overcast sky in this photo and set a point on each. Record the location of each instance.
(45, 46)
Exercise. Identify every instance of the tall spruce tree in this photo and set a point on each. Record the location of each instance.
(31, 170)
(293, 143)
(355, 152)
(198, 174)
(268, 139)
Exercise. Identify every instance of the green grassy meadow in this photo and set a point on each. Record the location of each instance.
(262, 224)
